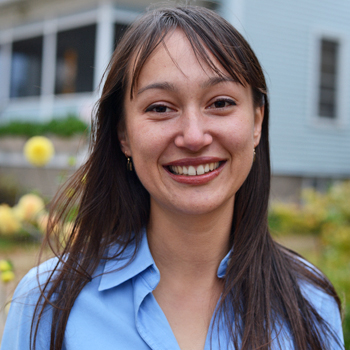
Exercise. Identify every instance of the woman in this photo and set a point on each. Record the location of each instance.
(170, 247)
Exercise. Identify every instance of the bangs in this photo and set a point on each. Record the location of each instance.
(205, 35)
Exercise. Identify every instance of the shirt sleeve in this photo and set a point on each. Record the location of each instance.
(17, 330)
(330, 313)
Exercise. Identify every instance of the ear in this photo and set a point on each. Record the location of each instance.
(258, 120)
(124, 141)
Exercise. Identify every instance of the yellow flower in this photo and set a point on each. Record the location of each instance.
(9, 224)
(7, 276)
(5, 266)
(38, 150)
(28, 207)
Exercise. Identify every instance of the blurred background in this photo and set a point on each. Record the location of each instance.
(53, 55)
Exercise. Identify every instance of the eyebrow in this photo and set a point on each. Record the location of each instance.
(161, 86)
(170, 87)
(218, 80)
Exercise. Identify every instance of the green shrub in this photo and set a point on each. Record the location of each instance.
(64, 127)
(319, 212)
(18, 128)
(286, 218)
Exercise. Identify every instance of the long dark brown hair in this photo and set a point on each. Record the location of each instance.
(262, 283)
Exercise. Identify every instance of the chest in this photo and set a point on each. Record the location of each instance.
(129, 317)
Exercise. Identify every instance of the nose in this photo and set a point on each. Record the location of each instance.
(193, 134)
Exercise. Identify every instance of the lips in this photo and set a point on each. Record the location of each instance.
(195, 171)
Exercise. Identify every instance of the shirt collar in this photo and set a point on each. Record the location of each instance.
(118, 271)
(223, 265)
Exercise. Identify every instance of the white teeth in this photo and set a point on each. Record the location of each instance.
(200, 170)
(192, 170)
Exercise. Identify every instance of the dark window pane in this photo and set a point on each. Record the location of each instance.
(326, 110)
(328, 79)
(26, 67)
(75, 60)
(119, 30)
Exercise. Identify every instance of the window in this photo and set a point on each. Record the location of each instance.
(327, 101)
(75, 60)
(26, 67)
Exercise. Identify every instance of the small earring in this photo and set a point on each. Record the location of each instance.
(129, 164)
(254, 157)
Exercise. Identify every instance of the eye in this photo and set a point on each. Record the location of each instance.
(222, 103)
(158, 108)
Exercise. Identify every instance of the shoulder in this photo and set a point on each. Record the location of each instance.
(317, 296)
(19, 320)
(36, 277)
(324, 303)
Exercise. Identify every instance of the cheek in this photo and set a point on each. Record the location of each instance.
(146, 141)
(239, 135)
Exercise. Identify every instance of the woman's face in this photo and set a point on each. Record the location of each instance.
(191, 134)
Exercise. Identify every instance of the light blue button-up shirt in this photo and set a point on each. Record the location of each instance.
(117, 310)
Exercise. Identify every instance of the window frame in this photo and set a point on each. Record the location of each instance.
(49, 30)
(341, 119)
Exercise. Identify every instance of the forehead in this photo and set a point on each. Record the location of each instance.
(175, 56)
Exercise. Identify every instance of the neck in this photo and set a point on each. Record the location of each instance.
(189, 247)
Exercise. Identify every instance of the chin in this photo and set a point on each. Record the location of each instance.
(198, 209)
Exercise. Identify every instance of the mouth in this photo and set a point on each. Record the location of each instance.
(194, 170)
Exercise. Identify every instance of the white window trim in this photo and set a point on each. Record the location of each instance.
(341, 119)
(5, 57)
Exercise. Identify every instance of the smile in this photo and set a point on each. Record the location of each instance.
(191, 170)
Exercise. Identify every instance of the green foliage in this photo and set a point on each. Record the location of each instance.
(326, 215)
(64, 127)
(285, 218)
(12, 243)
(319, 213)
